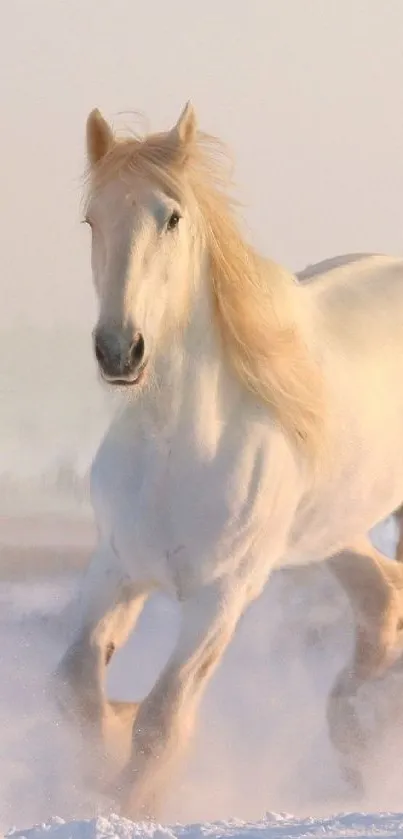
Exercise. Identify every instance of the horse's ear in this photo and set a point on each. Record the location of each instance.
(186, 128)
(100, 137)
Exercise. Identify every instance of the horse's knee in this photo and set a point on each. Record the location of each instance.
(205, 667)
(78, 680)
(377, 635)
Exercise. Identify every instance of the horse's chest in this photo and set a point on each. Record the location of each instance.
(175, 515)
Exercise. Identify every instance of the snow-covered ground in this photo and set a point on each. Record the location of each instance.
(272, 826)
(262, 742)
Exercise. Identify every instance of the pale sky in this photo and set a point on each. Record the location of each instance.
(307, 93)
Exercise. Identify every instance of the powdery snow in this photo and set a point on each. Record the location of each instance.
(261, 740)
(273, 826)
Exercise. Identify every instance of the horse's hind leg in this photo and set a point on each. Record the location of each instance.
(166, 717)
(107, 608)
(374, 586)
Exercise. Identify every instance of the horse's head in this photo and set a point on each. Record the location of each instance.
(144, 239)
(163, 221)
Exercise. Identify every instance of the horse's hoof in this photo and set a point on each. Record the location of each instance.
(125, 801)
(354, 780)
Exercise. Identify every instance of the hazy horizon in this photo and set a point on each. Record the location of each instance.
(307, 95)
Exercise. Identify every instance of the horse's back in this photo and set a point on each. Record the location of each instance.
(357, 303)
(316, 269)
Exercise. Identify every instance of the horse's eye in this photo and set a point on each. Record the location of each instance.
(173, 220)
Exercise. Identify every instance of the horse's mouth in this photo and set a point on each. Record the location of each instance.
(127, 383)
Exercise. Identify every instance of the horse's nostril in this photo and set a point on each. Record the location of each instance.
(137, 349)
(100, 353)
(116, 358)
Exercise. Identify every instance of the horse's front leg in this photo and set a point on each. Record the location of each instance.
(107, 607)
(166, 717)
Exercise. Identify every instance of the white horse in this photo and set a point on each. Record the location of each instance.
(262, 426)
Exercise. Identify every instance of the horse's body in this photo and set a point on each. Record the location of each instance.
(357, 322)
(184, 474)
(269, 435)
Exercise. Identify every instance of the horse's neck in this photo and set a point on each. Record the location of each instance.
(196, 392)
